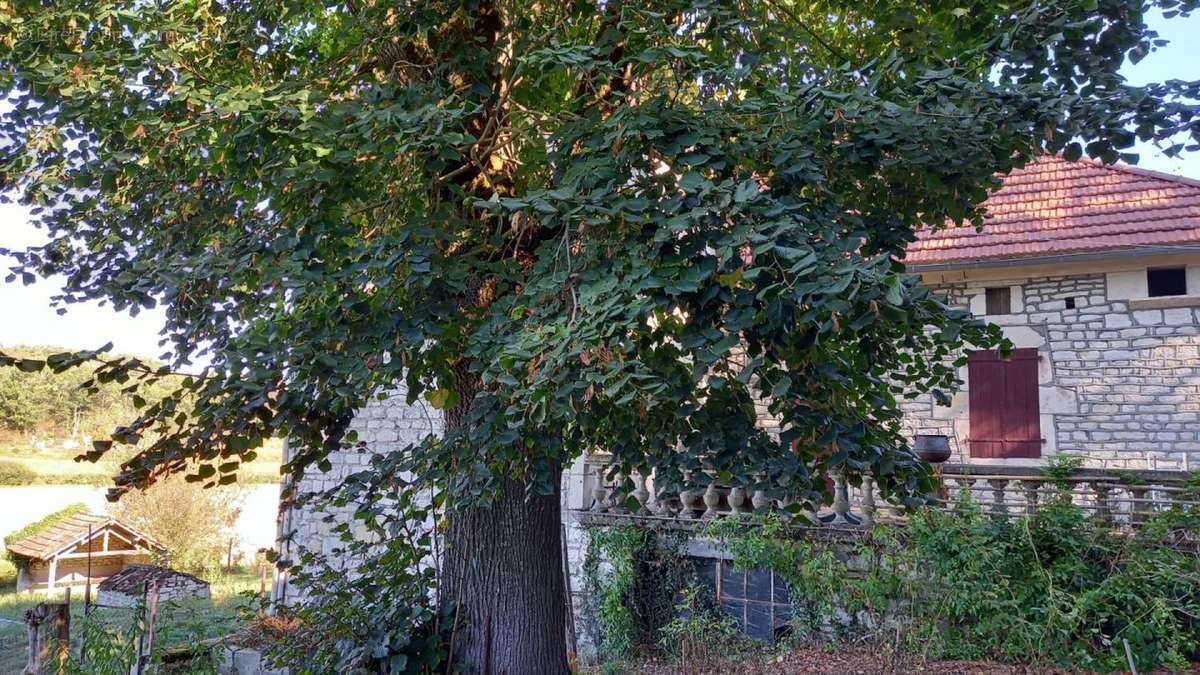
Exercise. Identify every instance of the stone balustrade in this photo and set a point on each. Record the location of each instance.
(1123, 498)
(853, 506)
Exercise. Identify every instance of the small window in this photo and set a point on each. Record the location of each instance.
(998, 300)
(1166, 281)
(1071, 302)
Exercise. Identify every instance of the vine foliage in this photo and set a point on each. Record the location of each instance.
(1056, 587)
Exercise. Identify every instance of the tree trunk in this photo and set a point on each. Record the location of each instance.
(503, 572)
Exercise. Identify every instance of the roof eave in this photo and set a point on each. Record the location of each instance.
(1081, 256)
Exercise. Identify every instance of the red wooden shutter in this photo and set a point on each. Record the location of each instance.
(1003, 404)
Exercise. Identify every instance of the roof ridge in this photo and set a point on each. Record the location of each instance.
(1138, 171)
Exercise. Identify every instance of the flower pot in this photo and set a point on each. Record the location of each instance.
(934, 449)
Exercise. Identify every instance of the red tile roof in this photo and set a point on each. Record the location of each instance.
(1053, 207)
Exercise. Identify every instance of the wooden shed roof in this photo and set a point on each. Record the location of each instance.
(74, 530)
(131, 579)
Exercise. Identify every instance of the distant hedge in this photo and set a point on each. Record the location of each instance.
(15, 473)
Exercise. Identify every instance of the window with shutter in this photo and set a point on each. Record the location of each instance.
(1003, 404)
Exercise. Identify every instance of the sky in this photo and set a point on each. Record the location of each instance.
(28, 318)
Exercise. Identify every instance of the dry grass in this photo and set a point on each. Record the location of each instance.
(815, 661)
(180, 622)
(57, 466)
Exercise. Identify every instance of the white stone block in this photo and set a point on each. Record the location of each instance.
(1058, 400)
(1114, 320)
(1177, 316)
(1148, 317)
(1126, 284)
(1024, 336)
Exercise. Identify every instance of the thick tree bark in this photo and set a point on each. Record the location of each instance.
(502, 569)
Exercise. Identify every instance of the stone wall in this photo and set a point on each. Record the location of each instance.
(383, 425)
(126, 588)
(391, 423)
(1118, 383)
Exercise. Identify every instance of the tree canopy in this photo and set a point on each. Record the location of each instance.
(567, 224)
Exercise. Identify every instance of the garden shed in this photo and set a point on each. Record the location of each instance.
(126, 587)
(83, 546)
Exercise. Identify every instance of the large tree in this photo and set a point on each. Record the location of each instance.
(567, 224)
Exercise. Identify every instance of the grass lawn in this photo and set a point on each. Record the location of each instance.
(178, 623)
(57, 466)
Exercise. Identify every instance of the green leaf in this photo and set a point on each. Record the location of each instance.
(443, 398)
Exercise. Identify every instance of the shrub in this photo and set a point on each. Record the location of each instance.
(194, 524)
(15, 473)
(701, 634)
(1056, 587)
(382, 618)
(633, 596)
(8, 573)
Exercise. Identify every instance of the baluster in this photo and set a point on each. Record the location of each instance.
(841, 502)
(1103, 511)
(966, 483)
(641, 494)
(760, 501)
(999, 505)
(616, 496)
(600, 494)
(868, 501)
(737, 501)
(1138, 505)
(689, 497)
(1031, 488)
(712, 500)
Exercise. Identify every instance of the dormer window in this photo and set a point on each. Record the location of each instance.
(1166, 281)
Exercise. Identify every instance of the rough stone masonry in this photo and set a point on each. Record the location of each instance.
(1118, 384)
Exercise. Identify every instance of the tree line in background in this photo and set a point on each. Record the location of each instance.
(60, 404)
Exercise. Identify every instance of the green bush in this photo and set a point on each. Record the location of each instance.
(8, 574)
(1054, 588)
(633, 597)
(15, 473)
(701, 634)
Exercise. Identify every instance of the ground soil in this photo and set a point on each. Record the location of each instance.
(821, 662)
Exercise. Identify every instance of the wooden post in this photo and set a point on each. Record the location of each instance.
(87, 589)
(140, 650)
(262, 590)
(62, 631)
(33, 629)
(87, 600)
(151, 621)
(53, 574)
(58, 614)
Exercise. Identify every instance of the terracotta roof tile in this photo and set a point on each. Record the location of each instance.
(1054, 207)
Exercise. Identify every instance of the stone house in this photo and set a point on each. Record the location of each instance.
(1093, 272)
